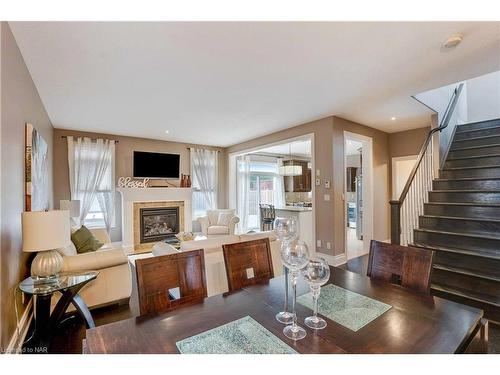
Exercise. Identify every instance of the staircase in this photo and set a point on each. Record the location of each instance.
(461, 220)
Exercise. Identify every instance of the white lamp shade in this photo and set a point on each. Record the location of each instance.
(72, 206)
(45, 230)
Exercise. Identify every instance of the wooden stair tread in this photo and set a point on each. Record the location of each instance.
(475, 130)
(469, 294)
(465, 191)
(473, 253)
(471, 167)
(479, 236)
(467, 179)
(461, 218)
(474, 157)
(476, 138)
(467, 272)
(482, 204)
(474, 147)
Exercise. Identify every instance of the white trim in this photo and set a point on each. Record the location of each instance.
(333, 260)
(368, 202)
(393, 169)
(19, 335)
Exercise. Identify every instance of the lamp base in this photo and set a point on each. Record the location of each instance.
(46, 264)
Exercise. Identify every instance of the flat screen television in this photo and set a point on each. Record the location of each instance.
(156, 165)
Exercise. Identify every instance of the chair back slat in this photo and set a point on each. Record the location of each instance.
(158, 276)
(248, 263)
(407, 266)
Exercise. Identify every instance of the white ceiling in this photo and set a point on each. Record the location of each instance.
(223, 83)
(301, 148)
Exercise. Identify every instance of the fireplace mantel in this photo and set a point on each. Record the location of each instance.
(132, 195)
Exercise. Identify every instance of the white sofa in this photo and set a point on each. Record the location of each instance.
(215, 270)
(210, 224)
(114, 283)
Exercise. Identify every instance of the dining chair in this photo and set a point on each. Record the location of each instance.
(169, 282)
(267, 216)
(248, 263)
(409, 267)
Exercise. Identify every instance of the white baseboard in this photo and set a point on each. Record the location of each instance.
(334, 260)
(17, 339)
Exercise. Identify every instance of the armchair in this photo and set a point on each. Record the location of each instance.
(218, 222)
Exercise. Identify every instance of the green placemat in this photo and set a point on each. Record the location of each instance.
(352, 310)
(242, 336)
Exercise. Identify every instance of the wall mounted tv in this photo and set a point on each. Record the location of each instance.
(156, 165)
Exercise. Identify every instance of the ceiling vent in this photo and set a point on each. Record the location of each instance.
(453, 41)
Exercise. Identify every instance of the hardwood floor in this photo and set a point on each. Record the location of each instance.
(359, 265)
(68, 340)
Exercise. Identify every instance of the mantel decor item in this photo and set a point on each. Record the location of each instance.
(44, 232)
(129, 182)
(185, 180)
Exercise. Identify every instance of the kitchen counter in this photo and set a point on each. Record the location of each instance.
(294, 208)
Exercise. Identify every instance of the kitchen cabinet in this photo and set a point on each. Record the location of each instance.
(298, 184)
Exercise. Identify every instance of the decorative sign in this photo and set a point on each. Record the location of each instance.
(128, 182)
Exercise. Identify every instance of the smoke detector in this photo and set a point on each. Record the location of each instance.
(453, 41)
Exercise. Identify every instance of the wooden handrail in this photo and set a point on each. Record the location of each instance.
(396, 204)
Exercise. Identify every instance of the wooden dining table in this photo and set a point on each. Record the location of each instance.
(415, 323)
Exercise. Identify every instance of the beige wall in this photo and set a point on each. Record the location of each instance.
(329, 159)
(20, 104)
(407, 142)
(124, 164)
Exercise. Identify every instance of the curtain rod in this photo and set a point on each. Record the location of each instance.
(93, 139)
(189, 148)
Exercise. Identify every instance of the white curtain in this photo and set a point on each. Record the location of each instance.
(204, 170)
(91, 175)
(279, 186)
(243, 191)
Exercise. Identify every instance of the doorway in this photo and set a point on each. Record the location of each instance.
(357, 194)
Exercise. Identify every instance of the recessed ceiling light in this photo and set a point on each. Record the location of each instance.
(166, 132)
(453, 41)
(393, 118)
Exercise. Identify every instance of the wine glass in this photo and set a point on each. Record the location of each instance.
(317, 273)
(286, 230)
(294, 256)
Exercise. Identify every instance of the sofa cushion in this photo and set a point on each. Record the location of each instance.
(68, 250)
(258, 235)
(209, 243)
(94, 260)
(224, 219)
(218, 229)
(85, 241)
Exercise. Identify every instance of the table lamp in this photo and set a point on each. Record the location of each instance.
(73, 207)
(43, 232)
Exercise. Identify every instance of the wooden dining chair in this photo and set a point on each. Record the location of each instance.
(248, 263)
(170, 281)
(407, 266)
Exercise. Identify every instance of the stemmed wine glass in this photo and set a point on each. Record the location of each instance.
(286, 231)
(317, 273)
(295, 256)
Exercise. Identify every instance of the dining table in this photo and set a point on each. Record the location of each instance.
(367, 316)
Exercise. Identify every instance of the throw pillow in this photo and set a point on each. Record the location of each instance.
(224, 218)
(85, 241)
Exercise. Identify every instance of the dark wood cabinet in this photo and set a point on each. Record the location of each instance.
(298, 184)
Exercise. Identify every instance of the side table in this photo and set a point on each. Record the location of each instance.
(69, 284)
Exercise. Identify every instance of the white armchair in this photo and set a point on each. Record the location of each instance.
(218, 222)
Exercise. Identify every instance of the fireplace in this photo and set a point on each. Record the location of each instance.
(158, 223)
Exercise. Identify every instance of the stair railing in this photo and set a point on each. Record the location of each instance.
(406, 210)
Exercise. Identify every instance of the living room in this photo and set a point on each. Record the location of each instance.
(140, 159)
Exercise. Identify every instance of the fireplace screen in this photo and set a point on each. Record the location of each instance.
(158, 224)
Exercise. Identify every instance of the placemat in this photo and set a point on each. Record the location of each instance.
(352, 310)
(242, 336)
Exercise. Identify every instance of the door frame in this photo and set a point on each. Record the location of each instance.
(367, 165)
(231, 180)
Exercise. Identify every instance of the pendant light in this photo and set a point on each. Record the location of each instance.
(290, 169)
